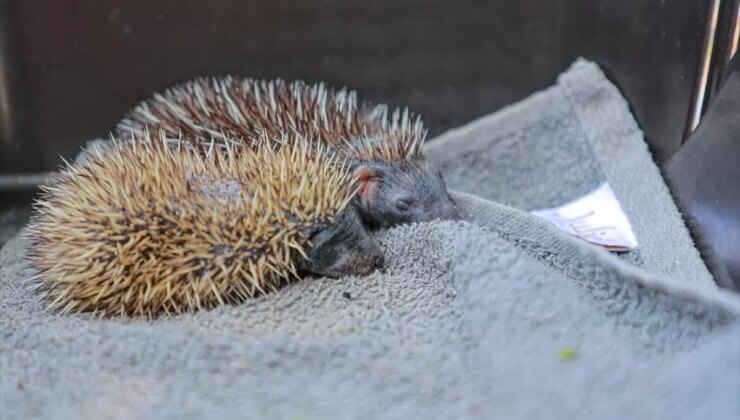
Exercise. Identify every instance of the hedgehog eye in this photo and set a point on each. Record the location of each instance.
(312, 233)
(318, 234)
(404, 203)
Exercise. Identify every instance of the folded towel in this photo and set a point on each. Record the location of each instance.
(560, 144)
(499, 316)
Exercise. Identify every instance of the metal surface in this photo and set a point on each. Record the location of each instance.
(735, 37)
(724, 39)
(74, 67)
(705, 178)
(702, 79)
(23, 181)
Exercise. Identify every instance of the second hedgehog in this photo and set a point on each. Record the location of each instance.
(145, 229)
(396, 184)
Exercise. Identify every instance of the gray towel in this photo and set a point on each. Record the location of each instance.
(500, 316)
(560, 144)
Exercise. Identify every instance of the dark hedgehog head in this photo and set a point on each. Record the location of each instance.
(402, 192)
(396, 184)
(342, 248)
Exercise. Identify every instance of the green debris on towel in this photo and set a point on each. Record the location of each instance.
(348, 331)
(567, 353)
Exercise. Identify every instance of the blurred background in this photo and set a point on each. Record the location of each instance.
(69, 69)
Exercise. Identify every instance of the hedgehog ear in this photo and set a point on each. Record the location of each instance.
(369, 181)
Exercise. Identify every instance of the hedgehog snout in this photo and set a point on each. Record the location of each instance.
(377, 261)
(444, 209)
(372, 260)
(368, 262)
(452, 212)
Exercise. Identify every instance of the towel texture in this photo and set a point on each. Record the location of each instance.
(560, 144)
(499, 316)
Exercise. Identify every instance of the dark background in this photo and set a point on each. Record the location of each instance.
(71, 68)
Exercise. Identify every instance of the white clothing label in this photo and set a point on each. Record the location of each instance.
(596, 217)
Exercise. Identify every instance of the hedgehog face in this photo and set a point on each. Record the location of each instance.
(342, 248)
(402, 192)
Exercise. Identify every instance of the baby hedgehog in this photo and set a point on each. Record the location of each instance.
(396, 184)
(145, 229)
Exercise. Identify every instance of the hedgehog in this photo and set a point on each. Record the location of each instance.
(397, 185)
(145, 229)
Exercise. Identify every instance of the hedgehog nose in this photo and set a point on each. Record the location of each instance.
(378, 261)
(456, 214)
(453, 212)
